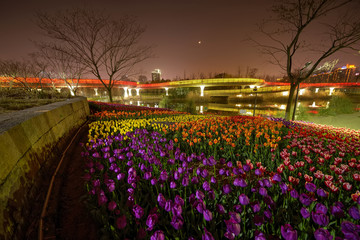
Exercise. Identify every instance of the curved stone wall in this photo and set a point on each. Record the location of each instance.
(31, 141)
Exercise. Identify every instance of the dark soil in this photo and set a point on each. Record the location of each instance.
(67, 216)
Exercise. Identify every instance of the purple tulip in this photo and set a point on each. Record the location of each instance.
(192, 199)
(207, 235)
(240, 182)
(147, 175)
(232, 226)
(294, 193)
(112, 206)
(337, 211)
(199, 195)
(288, 232)
(138, 211)
(235, 216)
(322, 234)
(211, 194)
(158, 235)
(267, 183)
(176, 209)
(259, 235)
(238, 208)
(268, 214)
(321, 192)
(172, 185)
(310, 187)
(179, 200)
(207, 215)
(164, 175)
(195, 180)
(354, 213)
(220, 209)
(305, 199)
(263, 191)
(276, 178)
(243, 199)
(161, 200)
(151, 220)
(283, 187)
(305, 213)
(206, 186)
(176, 175)
(185, 181)
(168, 205)
(221, 171)
(246, 168)
(213, 180)
(200, 206)
(350, 230)
(96, 183)
(177, 222)
(121, 222)
(226, 189)
(204, 173)
(229, 235)
(321, 207)
(102, 199)
(130, 191)
(320, 218)
(258, 172)
(110, 184)
(130, 201)
(255, 206)
(120, 176)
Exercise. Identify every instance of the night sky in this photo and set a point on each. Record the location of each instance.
(174, 27)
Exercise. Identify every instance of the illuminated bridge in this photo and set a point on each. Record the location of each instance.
(224, 94)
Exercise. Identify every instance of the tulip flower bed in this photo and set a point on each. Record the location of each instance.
(113, 111)
(223, 178)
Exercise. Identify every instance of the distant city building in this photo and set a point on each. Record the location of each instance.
(348, 73)
(156, 75)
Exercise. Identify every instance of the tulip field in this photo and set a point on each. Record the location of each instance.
(159, 174)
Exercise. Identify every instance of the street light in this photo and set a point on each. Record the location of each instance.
(255, 90)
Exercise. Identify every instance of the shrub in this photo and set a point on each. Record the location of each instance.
(338, 105)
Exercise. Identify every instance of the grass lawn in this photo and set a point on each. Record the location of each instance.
(351, 121)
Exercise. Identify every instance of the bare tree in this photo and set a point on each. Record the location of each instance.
(288, 37)
(61, 66)
(17, 72)
(108, 49)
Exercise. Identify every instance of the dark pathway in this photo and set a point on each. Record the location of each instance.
(67, 216)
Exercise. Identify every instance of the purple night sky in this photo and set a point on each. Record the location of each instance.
(174, 27)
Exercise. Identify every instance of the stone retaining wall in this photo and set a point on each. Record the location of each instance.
(31, 142)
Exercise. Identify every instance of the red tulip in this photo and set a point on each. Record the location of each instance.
(308, 178)
(318, 174)
(312, 168)
(329, 177)
(356, 177)
(291, 167)
(347, 186)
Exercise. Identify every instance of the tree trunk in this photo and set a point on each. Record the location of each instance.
(110, 94)
(290, 101)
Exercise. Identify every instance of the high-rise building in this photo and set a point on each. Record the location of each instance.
(156, 75)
